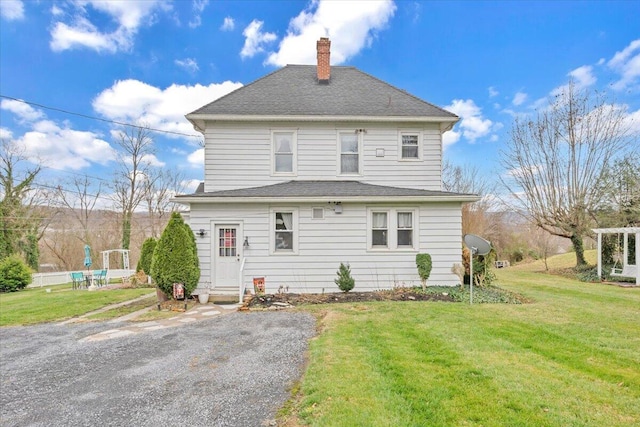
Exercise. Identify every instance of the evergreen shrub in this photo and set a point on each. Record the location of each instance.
(175, 258)
(14, 274)
(344, 281)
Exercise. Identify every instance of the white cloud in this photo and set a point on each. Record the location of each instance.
(472, 124)
(198, 7)
(351, 26)
(582, 77)
(12, 10)
(255, 39)
(632, 120)
(228, 24)
(188, 64)
(449, 138)
(81, 32)
(196, 158)
(493, 92)
(164, 109)
(627, 64)
(152, 160)
(25, 112)
(5, 133)
(64, 148)
(190, 185)
(519, 98)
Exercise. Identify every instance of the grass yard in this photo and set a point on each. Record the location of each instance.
(35, 305)
(570, 358)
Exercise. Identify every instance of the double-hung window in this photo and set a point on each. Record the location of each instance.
(410, 145)
(284, 229)
(349, 153)
(284, 157)
(379, 229)
(392, 229)
(405, 229)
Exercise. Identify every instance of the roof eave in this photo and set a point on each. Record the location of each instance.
(362, 199)
(198, 120)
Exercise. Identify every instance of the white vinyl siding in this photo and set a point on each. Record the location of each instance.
(241, 156)
(323, 245)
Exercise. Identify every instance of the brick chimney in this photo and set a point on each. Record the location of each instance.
(324, 52)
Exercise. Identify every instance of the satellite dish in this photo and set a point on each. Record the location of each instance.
(477, 244)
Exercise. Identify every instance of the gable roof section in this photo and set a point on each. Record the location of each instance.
(312, 191)
(293, 91)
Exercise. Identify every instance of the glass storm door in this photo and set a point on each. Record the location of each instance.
(227, 255)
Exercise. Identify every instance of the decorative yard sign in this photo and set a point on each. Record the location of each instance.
(178, 291)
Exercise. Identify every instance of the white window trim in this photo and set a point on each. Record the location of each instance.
(272, 230)
(294, 148)
(392, 233)
(339, 153)
(420, 145)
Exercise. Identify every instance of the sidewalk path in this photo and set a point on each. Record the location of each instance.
(199, 312)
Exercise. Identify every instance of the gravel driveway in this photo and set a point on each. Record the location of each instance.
(232, 370)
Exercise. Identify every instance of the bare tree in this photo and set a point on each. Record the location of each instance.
(80, 196)
(554, 161)
(134, 168)
(161, 185)
(476, 217)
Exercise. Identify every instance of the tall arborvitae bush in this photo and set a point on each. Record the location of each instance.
(14, 274)
(146, 255)
(175, 258)
(344, 281)
(423, 262)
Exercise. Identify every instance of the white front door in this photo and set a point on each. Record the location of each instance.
(228, 243)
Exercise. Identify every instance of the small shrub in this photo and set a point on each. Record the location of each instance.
(14, 274)
(139, 280)
(423, 262)
(344, 281)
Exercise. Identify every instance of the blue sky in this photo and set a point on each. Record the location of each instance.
(155, 61)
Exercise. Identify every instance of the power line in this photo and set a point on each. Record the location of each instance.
(86, 116)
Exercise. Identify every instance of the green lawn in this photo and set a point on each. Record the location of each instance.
(570, 358)
(35, 305)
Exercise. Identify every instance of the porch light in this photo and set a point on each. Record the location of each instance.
(338, 208)
(245, 245)
(202, 232)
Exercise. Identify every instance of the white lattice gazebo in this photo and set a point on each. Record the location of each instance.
(627, 270)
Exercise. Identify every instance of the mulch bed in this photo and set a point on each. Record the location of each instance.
(280, 299)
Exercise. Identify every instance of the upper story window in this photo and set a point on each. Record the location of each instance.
(350, 153)
(284, 156)
(410, 145)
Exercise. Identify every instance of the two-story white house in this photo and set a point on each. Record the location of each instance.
(311, 166)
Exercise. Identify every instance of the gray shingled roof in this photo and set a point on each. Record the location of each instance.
(295, 91)
(323, 189)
